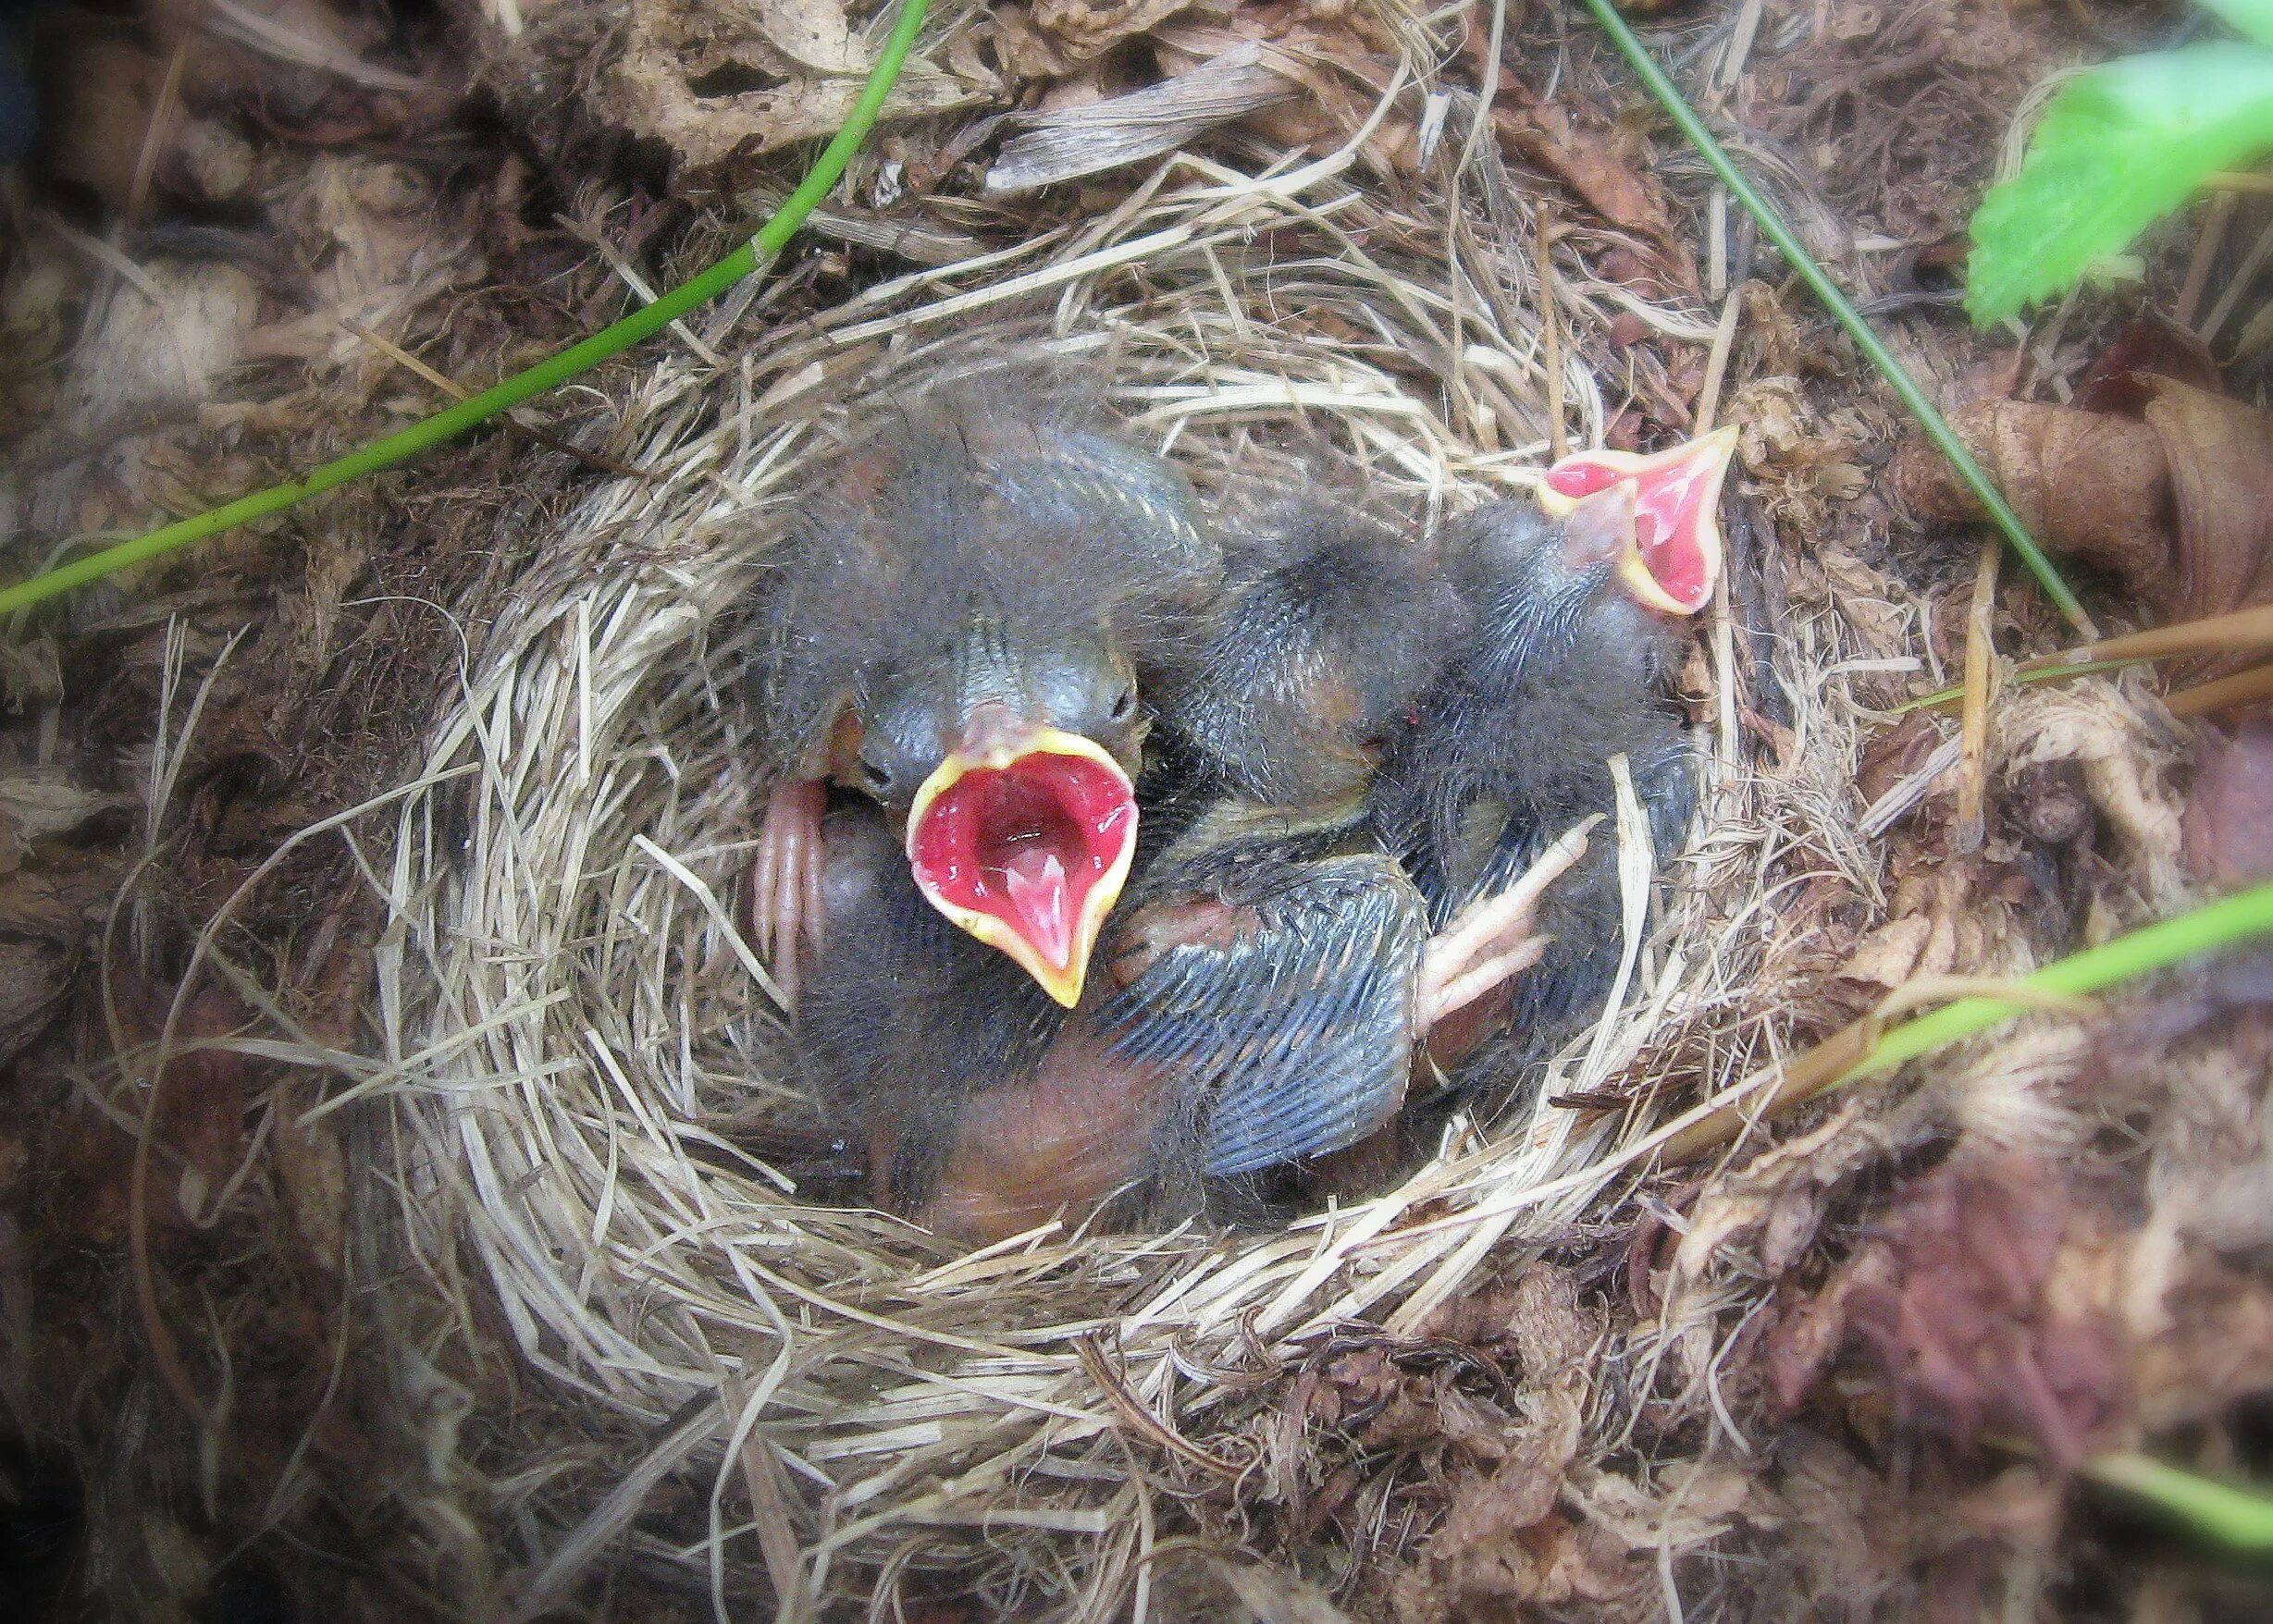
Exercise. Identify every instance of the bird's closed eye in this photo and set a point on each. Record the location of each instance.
(874, 774)
(1124, 704)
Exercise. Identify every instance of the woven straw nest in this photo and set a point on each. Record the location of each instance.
(579, 1042)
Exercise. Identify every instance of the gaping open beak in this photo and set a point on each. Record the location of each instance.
(1026, 844)
(1676, 557)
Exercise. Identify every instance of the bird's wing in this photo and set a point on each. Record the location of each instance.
(1286, 1016)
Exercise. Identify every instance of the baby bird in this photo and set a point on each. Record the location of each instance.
(1329, 624)
(968, 606)
(1563, 663)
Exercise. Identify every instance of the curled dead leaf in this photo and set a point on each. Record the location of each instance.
(2220, 453)
(1986, 1303)
(2228, 820)
(2177, 502)
(722, 83)
(2084, 484)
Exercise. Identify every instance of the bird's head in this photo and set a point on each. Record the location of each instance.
(1669, 559)
(1010, 764)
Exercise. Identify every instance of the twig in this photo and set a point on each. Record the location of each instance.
(2244, 280)
(1802, 262)
(1143, 1420)
(2205, 697)
(1980, 655)
(451, 421)
(1551, 334)
(598, 242)
(2245, 627)
(1716, 364)
(1942, 698)
(2212, 237)
(2234, 181)
(2226, 634)
(161, 123)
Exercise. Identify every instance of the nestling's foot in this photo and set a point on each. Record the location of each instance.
(785, 889)
(1493, 938)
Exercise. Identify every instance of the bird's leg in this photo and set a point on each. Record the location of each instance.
(785, 889)
(1492, 938)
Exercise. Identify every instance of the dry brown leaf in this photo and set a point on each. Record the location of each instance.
(1591, 166)
(2084, 484)
(2178, 504)
(1986, 1302)
(2221, 455)
(720, 83)
(34, 979)
(2228, 820)
(41, 803)
(1761, 1219)
(2121, 378)
(1085, 29)
(1890, 955)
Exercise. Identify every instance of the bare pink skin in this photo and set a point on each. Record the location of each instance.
(1491, 940)
(785, 890)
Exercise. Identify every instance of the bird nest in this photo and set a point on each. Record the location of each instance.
(580, 1062)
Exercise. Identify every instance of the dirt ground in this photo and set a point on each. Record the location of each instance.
(239, 247)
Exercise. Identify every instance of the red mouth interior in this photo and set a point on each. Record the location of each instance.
(1669, 518)
(1026, 844)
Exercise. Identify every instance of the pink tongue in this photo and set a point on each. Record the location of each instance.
(1657, 523)
(1035, 881)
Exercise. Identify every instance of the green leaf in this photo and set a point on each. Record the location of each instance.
(2251, 18)
(2118, 148)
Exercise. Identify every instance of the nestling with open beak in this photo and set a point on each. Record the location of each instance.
(970, 603)
(1571, 603)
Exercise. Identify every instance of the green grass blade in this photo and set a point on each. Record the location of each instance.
(2233, 1516)
(1811, 1074)
(557, 369)
(2151, 947)
(1803, 264)
(2050, 674)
